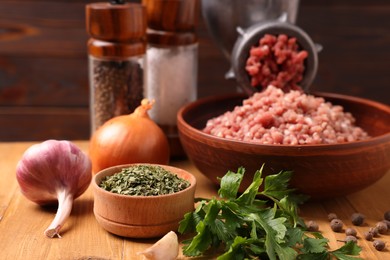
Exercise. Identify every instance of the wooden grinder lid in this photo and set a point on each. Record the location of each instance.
(171, 22)
(116, 29)
(116, 22)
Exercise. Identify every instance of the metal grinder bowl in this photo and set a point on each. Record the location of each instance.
(251, 36)
(222, 17)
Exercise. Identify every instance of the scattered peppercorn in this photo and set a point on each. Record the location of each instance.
(332, 216)
(312, 226)
(387, 222)
(336, 225)
(357, 219)
(351, 232)
(374, 231)
(382, 227)
(387, 215)
(368, 236)
(351, 238)
(379, 245)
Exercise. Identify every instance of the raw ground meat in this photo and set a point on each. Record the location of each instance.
(293, 118)
(276, 61)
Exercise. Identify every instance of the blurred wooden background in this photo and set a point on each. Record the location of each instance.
(44, 70)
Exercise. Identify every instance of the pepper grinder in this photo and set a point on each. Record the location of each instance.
(172, 62)
(117, 50)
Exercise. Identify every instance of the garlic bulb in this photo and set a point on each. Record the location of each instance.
(167, 248)
(54, 171)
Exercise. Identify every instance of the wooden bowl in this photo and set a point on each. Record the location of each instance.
(321, 171)
(141, 216)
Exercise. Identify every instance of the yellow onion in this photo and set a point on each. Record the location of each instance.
(133, 138)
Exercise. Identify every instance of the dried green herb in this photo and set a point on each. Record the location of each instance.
(144, 180)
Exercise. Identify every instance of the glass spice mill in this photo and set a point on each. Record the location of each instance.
(143, 50)
(116, 51)
(172, 62)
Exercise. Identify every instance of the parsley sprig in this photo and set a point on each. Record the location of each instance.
(243, 226)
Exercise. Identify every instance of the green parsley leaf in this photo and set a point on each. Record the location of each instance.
(248, 227)
(200, 242)
(187, 224)
(347, 251)
(294, 236)
(232, 220)
(249, 195)
(316, 256)
(230, 183)
(236, 250)
(276, 185)
(314, 245)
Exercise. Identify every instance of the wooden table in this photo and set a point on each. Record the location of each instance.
(22, 222)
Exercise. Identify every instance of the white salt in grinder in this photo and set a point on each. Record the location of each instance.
(172, 62)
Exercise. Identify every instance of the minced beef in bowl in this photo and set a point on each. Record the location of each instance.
(293, 118)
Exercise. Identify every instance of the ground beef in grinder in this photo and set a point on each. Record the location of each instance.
(293, 118)
(276, 61)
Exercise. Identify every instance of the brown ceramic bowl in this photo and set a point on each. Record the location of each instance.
(141, 216)
(321, 171)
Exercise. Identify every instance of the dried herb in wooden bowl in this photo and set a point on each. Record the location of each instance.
(144, 180)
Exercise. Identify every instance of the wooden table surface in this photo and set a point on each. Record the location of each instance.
(22, 222)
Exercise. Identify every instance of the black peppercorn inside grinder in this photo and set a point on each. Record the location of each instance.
(116, 58)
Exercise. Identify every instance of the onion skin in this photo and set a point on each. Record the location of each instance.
(125, 139)
(54, 171)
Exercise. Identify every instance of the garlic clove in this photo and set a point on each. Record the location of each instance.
(167, 248)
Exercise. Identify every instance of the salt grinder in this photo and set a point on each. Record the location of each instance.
(116, 49)
(172, 62)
